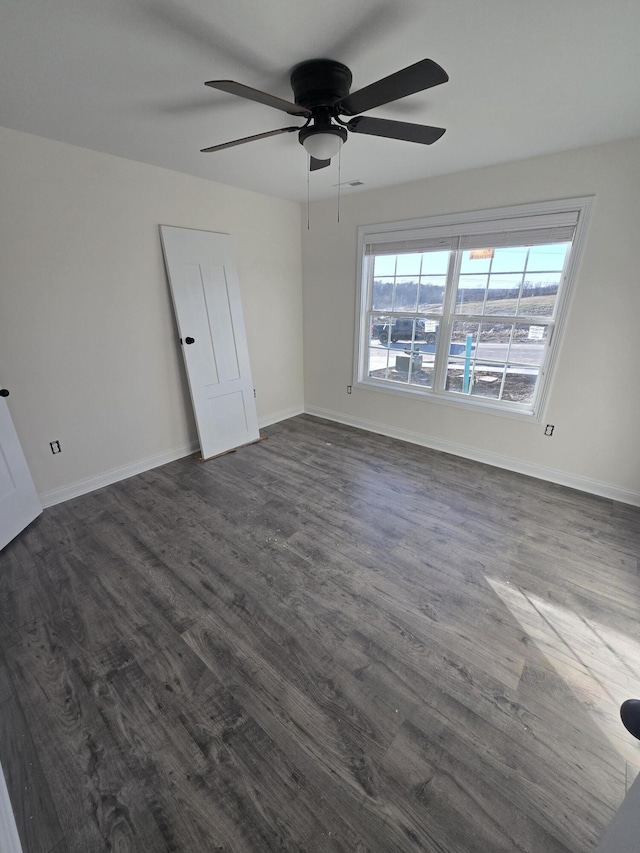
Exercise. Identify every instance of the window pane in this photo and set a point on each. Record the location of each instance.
(423, 361)
(459, 333)
(477, 380)
(384, 265)
(520, 384)
(406, 329)
(470, 295)
(510, 259)
(474, 265)
(431, 294)
(409, 362)
(382, 294)
(378, 354)
(548, 258)
(408, 265)
(378, 323)
(460, 363)
(503, 293)
(487, 381)
(430, 328)
(435, 263)
(539, 293)
(405, 295)
(378, 360)
(410, 346)
(528, 345)
(493, 341)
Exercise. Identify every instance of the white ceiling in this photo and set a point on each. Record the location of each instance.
(126, 77)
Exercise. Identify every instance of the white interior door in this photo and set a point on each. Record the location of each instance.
(19, 501)
(206, 298)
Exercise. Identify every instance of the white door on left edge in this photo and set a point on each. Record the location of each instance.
(206, 298)
(19, 501)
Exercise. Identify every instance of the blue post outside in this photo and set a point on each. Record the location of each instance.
(467, 364)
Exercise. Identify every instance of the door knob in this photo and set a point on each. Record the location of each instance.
(4, 392)
(189, 340)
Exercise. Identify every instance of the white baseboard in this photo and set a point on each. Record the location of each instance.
(90, 484)
(282, 415)
(9, 838)
(582, 484)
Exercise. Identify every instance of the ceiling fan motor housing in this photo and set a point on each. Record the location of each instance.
(320, 83)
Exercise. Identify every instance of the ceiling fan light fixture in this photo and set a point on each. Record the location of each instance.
(323, 143)
(323, 146)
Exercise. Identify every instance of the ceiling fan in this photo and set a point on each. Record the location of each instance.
(321, 96)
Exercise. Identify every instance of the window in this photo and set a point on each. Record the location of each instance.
(468, 309)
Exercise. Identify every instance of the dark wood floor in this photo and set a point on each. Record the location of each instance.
(327, 641)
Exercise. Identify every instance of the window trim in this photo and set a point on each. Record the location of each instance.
(519, 217)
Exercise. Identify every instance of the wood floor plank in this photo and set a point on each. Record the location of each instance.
(24, 584)
(39, 826)
(326, 641)
(489, 792)
(85, 770)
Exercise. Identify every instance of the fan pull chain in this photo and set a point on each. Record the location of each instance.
(308, 191)
(339, 168)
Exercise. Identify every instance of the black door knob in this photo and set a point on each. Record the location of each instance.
(4, 392)
(630, 714)
(189, 340)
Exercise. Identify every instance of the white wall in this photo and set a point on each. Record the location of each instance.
(88, 346)
(594, 401)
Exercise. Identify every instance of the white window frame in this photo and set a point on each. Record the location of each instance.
(445, 230)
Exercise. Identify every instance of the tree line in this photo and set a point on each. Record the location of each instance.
(411, 293)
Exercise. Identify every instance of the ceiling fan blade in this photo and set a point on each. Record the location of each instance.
(260, 97)
(416, 78)
(318, 164)
(247, 139)
(404, 130)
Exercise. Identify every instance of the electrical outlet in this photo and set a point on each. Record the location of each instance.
(348, 389)
(55, 446)
(548, 430)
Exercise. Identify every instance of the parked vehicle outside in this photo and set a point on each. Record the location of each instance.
(402, 329)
